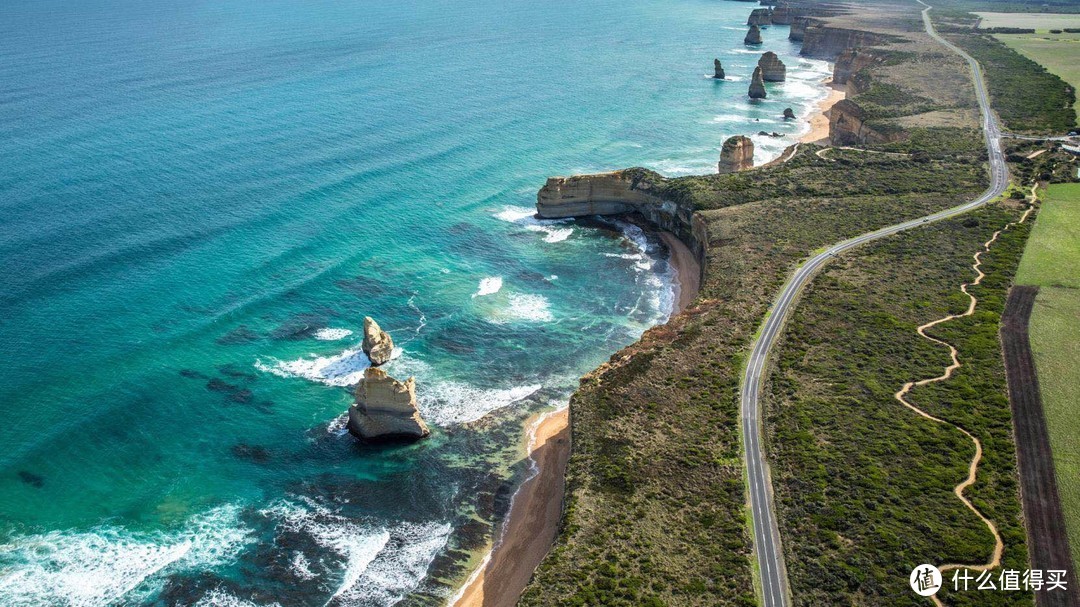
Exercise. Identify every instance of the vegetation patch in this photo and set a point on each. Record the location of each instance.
(1057, 52)
(863, 484)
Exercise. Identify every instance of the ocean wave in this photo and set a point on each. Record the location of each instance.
(331, 334)
(220, 598)
(379, 563)
(100, 566)
(524, 307)
(450, 402)
(554, 230)
(489, 286)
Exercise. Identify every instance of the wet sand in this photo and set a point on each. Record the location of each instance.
(531, 524)
(687, 271)
(819, 122)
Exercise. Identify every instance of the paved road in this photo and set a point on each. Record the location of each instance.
(766, 534)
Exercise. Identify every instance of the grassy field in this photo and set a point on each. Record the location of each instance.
(1059, 53)
(1050, 261)
(1036, 21)
(1052, 258)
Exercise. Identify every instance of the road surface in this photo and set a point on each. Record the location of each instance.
(767, 546)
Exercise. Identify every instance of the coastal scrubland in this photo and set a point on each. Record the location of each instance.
(655, 511)
(1027, 97)
(1049, 262)
(864, 486)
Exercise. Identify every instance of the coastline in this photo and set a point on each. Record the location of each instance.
(533, 520)
(819, 121)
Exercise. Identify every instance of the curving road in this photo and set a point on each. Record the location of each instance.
(767, 545)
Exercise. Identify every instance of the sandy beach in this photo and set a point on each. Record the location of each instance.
(534, 515)
(819, 122)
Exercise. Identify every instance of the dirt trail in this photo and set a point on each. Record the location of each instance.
(999, 546)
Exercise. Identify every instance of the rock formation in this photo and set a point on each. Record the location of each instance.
(798, 28)
(772, 69)
(737, 154)
(825, 42)
(850, 61)
(757, 85)
(753, 36)
(385, 409)
(782, 14)
(718, 70)
(789, 114)
(847, 126)
(760, 16)
(377, 343)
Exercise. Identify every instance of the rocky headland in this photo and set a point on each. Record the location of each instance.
(760, 16)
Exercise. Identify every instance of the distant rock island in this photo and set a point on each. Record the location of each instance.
(772, 69)
(718, 70)
(753, 36)
(757, 85)
(737, 154)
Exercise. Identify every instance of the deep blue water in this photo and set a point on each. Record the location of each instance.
(199, 201)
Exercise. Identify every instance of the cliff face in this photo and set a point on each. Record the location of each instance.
(628, 191)
(772, 69)
(737, 154)
(847, 126)
(798, 28)
(824, 42)
(760, 16)
(851, 60)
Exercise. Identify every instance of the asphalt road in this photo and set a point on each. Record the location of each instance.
(767, 544)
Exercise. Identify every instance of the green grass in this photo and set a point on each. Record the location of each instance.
(1059, 53)
(1036, 21)
(1050, 261)
(1053, 255)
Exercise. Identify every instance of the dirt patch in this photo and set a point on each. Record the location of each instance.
(1043, 516)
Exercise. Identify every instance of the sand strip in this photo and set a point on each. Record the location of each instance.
(819, 122)
(687, 271)
(531, 523)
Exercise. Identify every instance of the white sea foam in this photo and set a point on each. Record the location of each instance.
(554, 230)
(330, 334)
(99, 566)
(220, 598)
(447, 403)
(344, 369)
(524, 307)
(380, 563)
(489, 286)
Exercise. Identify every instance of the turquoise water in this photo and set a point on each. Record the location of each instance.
(199, 203)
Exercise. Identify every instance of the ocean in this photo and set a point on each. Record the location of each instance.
(200, 202)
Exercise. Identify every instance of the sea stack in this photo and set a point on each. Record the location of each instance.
(718, 70)
(385, 409)
(760, 16)
(753, 36)
(772, 69)
(757, 85)
(377, 343)
(789, 114)
(737, 154)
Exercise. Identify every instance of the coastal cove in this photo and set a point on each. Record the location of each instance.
(193, 230)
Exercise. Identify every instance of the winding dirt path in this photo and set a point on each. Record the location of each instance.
(999, 546)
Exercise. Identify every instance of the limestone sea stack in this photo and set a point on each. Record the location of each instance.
(718, 70)
(753, 36)
(377, 343)
(772, 69)
(760, 16)
(757, 85)
(737, 154)
(789, 114)
(385, 409)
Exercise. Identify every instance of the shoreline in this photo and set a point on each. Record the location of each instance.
(531, 525)
(819, 121)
